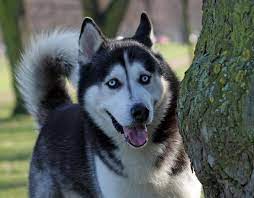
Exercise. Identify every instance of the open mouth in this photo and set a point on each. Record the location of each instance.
(135, 135)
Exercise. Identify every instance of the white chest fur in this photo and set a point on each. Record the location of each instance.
(114, 186)
(107, 179)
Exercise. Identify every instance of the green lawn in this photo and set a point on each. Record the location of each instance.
(17, 135)
(16, 142)
(178, 56)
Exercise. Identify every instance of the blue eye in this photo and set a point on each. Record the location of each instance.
(144, 79)
(113, 83)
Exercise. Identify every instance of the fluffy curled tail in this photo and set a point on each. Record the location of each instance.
(42, 73)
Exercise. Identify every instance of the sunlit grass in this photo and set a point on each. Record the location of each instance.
(178, 56)
(17, 135)
(5, 76)
(16, 142)
(172, 50)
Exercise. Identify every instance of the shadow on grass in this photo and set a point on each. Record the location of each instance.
(16, 157)
(17, 125)
(17, 184)
(11, 118)
(8, 119)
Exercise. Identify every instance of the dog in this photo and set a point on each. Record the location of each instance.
(121, 139)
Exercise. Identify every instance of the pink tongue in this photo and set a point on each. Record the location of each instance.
(137, 135)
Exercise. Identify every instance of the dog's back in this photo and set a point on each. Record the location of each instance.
(60, 166)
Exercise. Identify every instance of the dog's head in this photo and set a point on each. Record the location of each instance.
(124, 86)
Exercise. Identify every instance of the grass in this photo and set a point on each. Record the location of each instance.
(16, 142)
(17, 135)
(178, 56)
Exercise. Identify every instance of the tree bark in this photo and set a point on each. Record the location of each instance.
(216, 105)
(10, 15)
(109, 19)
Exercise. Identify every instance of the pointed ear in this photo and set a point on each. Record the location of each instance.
(144, 33)
(90, 40)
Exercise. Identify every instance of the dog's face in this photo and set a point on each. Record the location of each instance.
(122, 84)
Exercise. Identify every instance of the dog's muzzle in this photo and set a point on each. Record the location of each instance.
(135, 135)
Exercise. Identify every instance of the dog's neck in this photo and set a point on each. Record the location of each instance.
(145, 163)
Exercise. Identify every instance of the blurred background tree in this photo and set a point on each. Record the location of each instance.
(107, 17)
(11, 14)
(185, 21)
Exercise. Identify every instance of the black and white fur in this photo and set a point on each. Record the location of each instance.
(81, 151)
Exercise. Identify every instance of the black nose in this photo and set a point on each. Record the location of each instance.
(140, 113)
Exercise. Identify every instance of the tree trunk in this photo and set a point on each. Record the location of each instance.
(216, 105)
(109, 19)
(10, 14)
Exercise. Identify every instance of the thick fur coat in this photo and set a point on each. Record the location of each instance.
(122, 138)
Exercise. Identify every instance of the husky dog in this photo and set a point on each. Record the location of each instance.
(121, 140)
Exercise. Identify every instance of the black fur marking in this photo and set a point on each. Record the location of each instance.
(144, 30)
(113, 164)
(192, 168)
(144, 57)
(180, 162)
(118, 127)
(168, 132)
(54, 72)
(128, 79)
(104, 148)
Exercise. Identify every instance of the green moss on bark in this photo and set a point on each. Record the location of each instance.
(216, 105)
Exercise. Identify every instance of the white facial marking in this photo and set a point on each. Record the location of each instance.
(118, 102)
